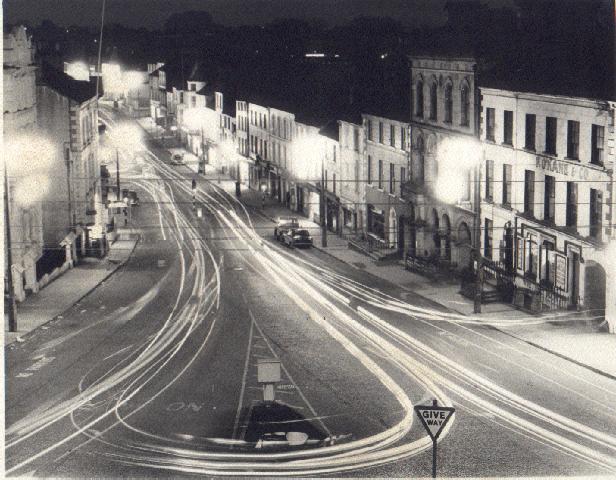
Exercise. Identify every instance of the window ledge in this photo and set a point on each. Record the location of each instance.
(572, 159)
(549, 154)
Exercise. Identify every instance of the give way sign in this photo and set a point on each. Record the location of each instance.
(434, 417)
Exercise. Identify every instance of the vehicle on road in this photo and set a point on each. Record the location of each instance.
(297, 238)
(177, 158)
(284, 224)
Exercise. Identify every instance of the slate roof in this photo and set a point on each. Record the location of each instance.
(76, 90)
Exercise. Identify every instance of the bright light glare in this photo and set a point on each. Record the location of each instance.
(30, 160)
(132, 80)
(455, 159)
(307, 154)
(78, 70)
(228, 152)
(128, 137)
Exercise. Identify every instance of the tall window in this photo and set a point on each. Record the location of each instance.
(489, 180)
(532, 263)
(596, 153)
(419, 110)
(531, 127)
(448, 104)
(370, 133)
(572, 204)
(402, 138)
(381, 136)
(549, 199)
(392, 178)
(356, 139)
(508, 127)
(380, 173)
(596, 208)
(334, 183)
(402, 174)
(464, 106)
(573, 139)
(507, 185)
(487, 238)
(529, 192)
(490, 124)
(550, 135)
(392, 135)
(433, 104)
(369, 169)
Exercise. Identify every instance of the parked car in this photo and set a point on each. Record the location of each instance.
(177, 158)
(297, 238)
(283, 225)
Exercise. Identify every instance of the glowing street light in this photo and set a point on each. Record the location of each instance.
(29, 159)
(456, 158)
(127, 137)
(308, 154)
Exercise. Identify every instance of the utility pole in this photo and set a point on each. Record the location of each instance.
(9, 249)
(478, 261)
(323, 208)
(118, 173)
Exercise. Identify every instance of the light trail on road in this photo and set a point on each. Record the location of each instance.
(331, 301)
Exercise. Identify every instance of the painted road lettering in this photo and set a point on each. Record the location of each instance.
(184, 407)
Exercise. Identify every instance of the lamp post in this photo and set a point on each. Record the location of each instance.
(9, 248)
(323, 207)
(478, 257)
(117, 174)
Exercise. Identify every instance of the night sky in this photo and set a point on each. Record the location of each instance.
(153, 13)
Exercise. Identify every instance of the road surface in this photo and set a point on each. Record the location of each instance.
(155, 372)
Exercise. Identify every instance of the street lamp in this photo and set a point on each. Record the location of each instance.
(128, 138)
(458, 156)
(308, 154)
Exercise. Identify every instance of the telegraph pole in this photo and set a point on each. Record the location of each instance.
(9, 249)
(118, 174)
(478, 261)
(323, 208)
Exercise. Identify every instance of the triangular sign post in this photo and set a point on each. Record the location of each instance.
(434, 418)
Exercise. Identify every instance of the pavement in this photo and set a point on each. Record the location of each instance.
(67, 290)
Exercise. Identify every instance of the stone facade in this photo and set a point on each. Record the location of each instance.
(387, 161)
(547, 194)
(20, 132)
(444, 156)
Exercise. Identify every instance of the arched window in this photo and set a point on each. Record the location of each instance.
(448, 103)
(464, 106)
(433, 104)
(419, 111)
